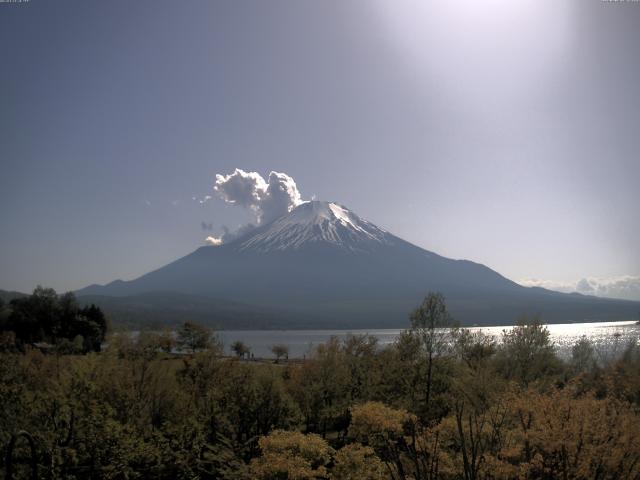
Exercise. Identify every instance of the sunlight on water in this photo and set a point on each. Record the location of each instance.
(609, 338)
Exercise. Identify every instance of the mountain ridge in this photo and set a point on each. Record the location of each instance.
(323, 263)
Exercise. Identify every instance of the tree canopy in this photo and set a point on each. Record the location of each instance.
(352, 409)
(48, 317)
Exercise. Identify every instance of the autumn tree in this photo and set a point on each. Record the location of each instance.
(292, 455)
(562, 436)
(382, 428)
(357, 462)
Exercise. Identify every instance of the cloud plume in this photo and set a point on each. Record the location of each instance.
(215, 241)
(267, 199)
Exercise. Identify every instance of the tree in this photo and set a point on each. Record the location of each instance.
(474, 348)
(526, 353)
(280, 350)
(95, 326)
(193, 336)
(166, 341)
(433, 325)
(291, 455)
(240, 349)
(383, 428)
(558, 435)
(355, 462)
(583, 355)
(322, 386)
(48, 317)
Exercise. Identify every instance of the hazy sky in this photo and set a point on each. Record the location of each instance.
(505, 132)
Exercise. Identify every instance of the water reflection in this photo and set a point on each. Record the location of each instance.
(608, 338)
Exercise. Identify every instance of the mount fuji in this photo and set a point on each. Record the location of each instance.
(322, 266)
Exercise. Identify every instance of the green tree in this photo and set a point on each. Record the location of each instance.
(434, 326)
(240, 349)
(474, 348)
(45, 316)
(526, 353)
(322, 385)
(280, 350)
(192, 337)
(583, 356)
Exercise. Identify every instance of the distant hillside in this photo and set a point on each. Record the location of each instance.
(157, 309)
(7, 295)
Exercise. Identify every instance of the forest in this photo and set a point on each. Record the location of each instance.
(439, 403)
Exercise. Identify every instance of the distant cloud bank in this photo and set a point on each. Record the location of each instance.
(626, 287)
(267, 199)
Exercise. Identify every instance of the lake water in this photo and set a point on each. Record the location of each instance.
(609, 338)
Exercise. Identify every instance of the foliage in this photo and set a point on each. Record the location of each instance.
(280, 351)
(192, 337)
(292, 455)
(583, 356)
(526, 353)
(557, 435)
(240, 349)
(48, 317)
(498, 408)
(435, 328)
(357, 462)
(376, 420)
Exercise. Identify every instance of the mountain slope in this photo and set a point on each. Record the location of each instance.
(156, 309)
(322, 265)
(313, 224)
(7, 295)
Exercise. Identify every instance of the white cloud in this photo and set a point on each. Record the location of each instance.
(215, 241)
(267, 199)
(625, 287)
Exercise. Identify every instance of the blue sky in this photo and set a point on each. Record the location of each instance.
(502, 132)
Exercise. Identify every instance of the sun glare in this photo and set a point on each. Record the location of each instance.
(487, 41)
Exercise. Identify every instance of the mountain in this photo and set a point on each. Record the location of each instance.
(323, 266)
(8, 295)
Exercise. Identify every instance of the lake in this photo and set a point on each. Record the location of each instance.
(609, 338)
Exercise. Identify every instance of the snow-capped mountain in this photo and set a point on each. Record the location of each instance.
(321, 265)
(316, 223)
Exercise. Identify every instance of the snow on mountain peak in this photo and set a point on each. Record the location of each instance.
(316, 223)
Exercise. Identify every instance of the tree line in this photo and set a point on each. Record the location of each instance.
(57, 322)
(440, 402)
